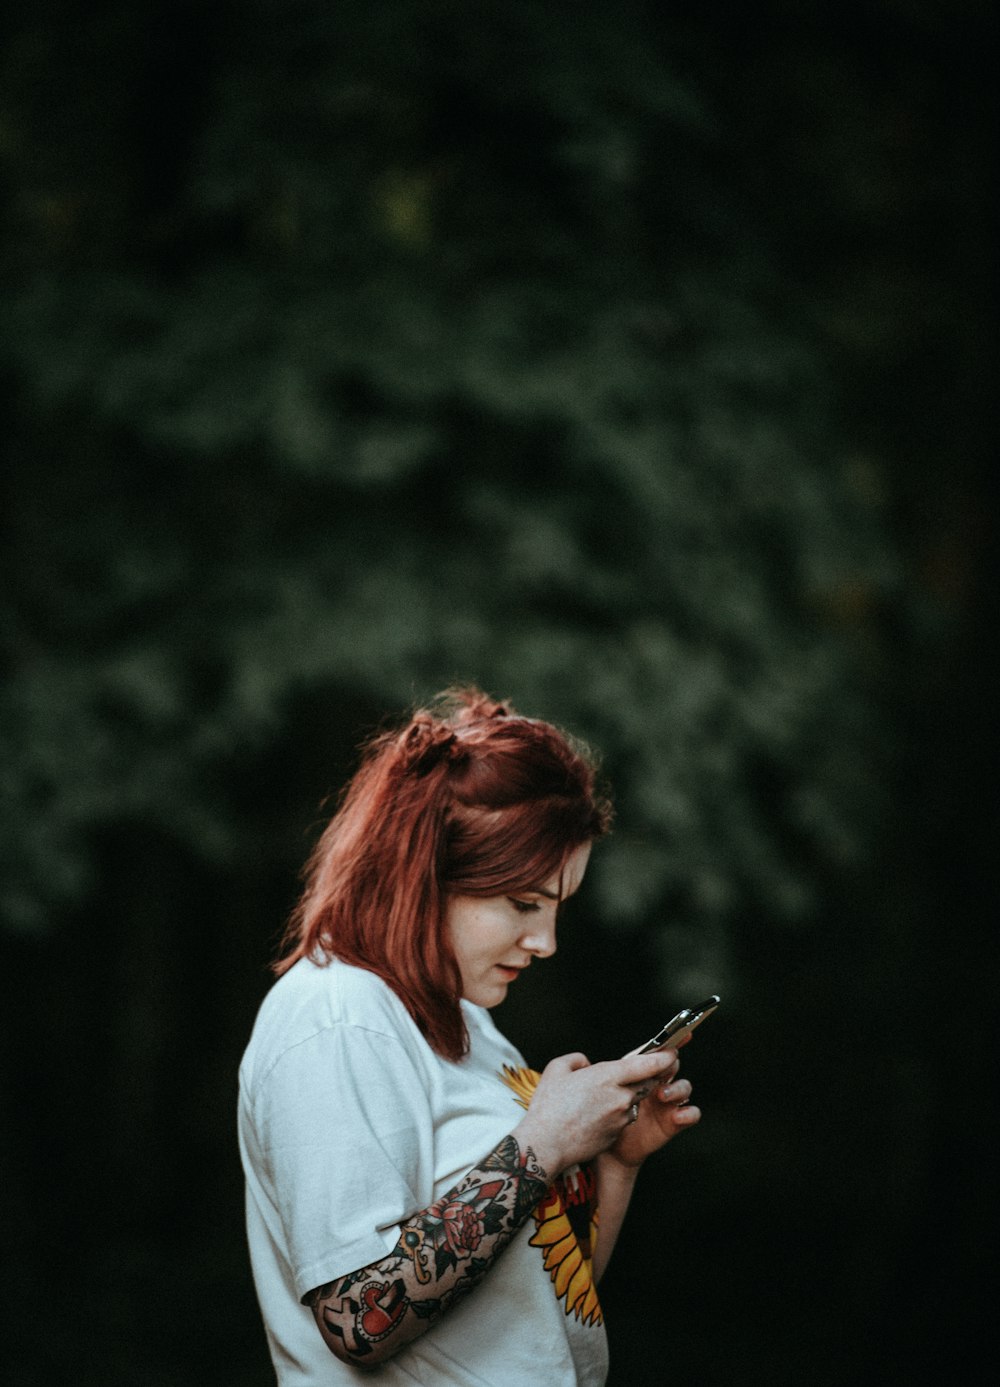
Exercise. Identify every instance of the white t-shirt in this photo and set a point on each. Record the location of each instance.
(349, 1123)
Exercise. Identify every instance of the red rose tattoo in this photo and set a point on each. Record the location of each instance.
(463, 1228)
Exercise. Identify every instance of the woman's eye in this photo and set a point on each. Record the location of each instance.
(523, 907)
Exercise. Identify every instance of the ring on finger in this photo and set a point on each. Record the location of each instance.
(633, 1112)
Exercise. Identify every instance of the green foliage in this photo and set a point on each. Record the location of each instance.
(416, 371)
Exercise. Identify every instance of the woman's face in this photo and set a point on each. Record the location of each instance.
(496, 937)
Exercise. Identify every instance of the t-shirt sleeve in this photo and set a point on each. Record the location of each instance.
(346, 1131)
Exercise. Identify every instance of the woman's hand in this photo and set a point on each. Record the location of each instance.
(663, 1113)
(580, 1109)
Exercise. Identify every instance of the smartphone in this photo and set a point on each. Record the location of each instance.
(677, 1031)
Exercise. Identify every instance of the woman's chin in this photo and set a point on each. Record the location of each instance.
(487, 995)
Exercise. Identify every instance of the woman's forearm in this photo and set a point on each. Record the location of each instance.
(615, 1183)
(442, 1253)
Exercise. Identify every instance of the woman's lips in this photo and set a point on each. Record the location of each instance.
(509, 973)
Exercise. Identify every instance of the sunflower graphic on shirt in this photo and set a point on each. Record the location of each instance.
(565, 1221)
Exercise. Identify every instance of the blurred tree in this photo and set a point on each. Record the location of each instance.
(380, 350)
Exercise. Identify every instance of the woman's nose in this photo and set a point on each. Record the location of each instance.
(540, 938)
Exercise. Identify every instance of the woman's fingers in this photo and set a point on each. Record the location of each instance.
(666, 1070)
(672, 1065)
(677, 1091)
(568, 1063)
(685, 1115)
(677, 1098)
(579, 1109)
(644, 1069)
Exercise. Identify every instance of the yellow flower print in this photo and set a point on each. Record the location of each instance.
(566, 1222)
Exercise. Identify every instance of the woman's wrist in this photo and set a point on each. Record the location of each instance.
(612, 1167)
(530, 1135)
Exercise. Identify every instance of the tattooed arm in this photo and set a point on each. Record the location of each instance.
(442, 1253)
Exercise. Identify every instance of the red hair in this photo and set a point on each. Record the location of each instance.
(467, 798)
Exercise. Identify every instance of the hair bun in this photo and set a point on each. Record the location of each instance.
(472, 705)
(426, 743)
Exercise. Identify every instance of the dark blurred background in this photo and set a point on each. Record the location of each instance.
(635, 361)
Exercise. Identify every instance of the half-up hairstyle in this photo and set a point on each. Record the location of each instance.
(468, 798)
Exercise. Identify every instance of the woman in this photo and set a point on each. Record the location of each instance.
(397, 1151)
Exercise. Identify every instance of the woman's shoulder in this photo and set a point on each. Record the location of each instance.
(313, 998)
(330, 992)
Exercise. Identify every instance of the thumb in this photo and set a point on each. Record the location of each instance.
(637, 1069)
(565, 1064)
